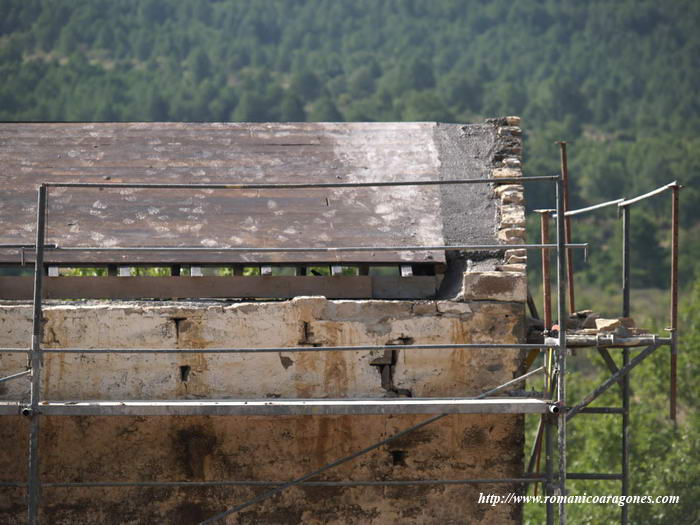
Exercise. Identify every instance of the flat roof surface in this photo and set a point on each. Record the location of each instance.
(33, 153)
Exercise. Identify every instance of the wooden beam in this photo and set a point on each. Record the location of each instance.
(168, 258)
(280, 287)
(396, 287)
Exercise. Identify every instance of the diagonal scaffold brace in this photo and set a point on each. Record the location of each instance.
(350, 457)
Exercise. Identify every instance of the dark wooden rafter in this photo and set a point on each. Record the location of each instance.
(259, 287)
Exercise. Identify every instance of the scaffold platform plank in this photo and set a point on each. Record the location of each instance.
(607, 340)
(286, 407)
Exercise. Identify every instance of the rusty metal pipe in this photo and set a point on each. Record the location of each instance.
(567, 226)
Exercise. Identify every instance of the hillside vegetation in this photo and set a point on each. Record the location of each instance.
(618, 80)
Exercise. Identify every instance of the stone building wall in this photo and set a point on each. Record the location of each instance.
(121, 448)
(486, 304)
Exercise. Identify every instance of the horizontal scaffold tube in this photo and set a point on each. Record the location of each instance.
(473, 247)
(282, 349)
(293, 186)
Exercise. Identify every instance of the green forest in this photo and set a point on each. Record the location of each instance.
(618, 80)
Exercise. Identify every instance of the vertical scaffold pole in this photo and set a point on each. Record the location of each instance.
(548, 419)
(626, 212)
(546, 284)
(561, 355)
(549, 465)
(675, 213)
(33, 482)
(625, 435)
(626, 310)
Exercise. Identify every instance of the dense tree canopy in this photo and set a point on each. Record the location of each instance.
(618, 80)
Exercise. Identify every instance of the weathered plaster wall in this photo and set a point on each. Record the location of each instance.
(264, 448)
(261, 448)
(489, 291)
(302, 321)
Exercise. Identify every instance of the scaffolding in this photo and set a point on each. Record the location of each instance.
(554, 408)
